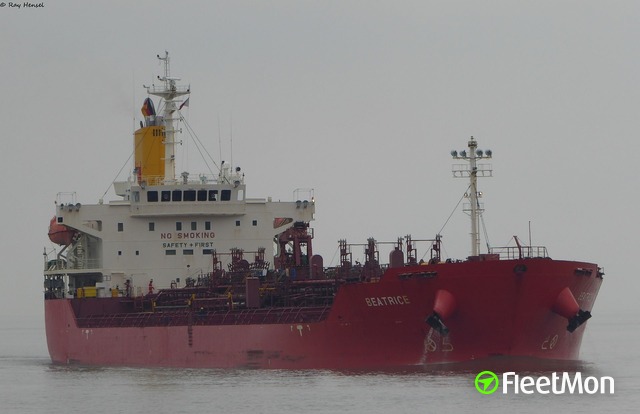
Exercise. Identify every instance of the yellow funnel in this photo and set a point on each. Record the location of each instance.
(149, 153)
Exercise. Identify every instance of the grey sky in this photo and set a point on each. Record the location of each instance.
(362, 101)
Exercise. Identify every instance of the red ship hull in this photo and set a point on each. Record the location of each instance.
(490, 308)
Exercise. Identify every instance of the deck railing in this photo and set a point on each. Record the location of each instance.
(519, 252)
(62, 264)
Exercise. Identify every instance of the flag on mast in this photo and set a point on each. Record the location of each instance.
(148, 108)
(185, 103)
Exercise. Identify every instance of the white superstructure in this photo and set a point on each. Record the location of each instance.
(162, 229)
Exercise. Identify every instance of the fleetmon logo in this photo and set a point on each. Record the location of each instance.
(486, 382)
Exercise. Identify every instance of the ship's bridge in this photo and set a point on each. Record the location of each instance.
(189, 199)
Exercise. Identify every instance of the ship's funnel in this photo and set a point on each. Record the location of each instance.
(567, 306)
(443, 307)
(149, 155)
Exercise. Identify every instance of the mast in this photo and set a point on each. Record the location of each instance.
(473, 170)
(169, 91)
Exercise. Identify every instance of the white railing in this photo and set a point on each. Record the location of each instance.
(522, 252)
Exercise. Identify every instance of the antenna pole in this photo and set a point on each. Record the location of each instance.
(133, 101)
(219, 142)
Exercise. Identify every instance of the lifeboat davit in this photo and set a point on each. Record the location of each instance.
(60, 234)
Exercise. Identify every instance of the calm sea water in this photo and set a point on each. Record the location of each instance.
(29, 383)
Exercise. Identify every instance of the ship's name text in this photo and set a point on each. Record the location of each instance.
(387, 300)
(188, 235)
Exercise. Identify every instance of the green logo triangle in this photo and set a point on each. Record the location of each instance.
(484, 381)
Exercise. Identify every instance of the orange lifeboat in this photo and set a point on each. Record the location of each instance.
(60, 234)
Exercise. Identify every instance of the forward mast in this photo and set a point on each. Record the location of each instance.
(473, 170)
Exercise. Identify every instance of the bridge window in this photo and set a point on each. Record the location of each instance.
(152, 196)
(202, 195)
(166, 195)
(190, 195)
(213, 195)
(225, 195)
(176, 195)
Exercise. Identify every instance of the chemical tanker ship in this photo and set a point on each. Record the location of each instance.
(186, 272)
